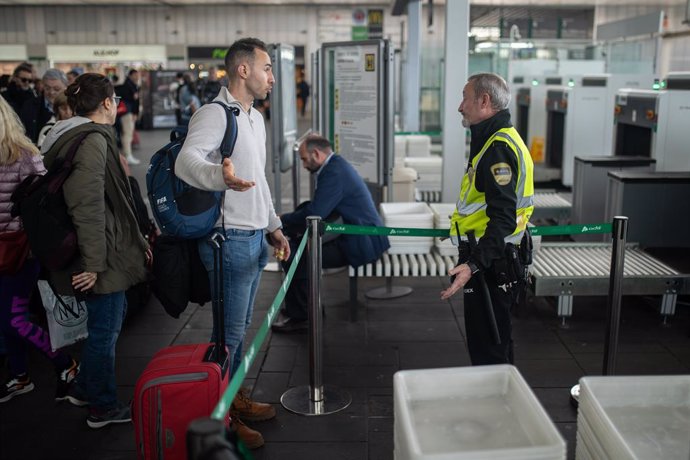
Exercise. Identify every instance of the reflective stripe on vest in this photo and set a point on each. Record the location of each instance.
(470, 213)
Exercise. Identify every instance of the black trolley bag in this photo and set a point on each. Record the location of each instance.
(182, 383)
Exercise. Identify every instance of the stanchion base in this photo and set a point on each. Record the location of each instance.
(298, 400)
(575, 395)
(386, 292)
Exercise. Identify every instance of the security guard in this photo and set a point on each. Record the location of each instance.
(494, 207)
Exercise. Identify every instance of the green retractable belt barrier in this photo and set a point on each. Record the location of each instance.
(348, 229)
(225, 401)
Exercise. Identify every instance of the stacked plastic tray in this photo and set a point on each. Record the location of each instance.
(418, 145)
(429, 170)
(483, 412)
(442, 213)
(634, 418)
(408, 215)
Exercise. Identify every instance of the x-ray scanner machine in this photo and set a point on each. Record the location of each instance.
(580, 119)
(654, 123)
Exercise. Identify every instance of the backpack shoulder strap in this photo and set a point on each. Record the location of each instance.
(228, 144)
(69, 157)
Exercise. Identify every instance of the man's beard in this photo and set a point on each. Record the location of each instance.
(465, 122)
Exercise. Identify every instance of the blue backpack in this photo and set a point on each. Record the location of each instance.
(181, 210)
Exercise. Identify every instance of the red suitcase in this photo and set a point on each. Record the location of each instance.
(180, 384)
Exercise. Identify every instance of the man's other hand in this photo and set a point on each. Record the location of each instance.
(280, 244)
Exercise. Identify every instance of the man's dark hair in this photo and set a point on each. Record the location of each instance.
(86, 92)
(23, 67)
(317, 142)
(242, 49)
(132, 72)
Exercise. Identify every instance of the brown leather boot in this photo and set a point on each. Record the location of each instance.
(251, 438)
(250, 410)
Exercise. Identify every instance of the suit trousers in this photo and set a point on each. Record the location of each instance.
(297, 296)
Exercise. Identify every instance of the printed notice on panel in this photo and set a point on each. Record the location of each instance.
(356, 108)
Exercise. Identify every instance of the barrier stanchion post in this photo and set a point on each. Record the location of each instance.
(315, 313)
(613, 311)
(619, 233)
(317, 398)
(295, 174)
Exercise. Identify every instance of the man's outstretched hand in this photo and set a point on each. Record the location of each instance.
(233, 182)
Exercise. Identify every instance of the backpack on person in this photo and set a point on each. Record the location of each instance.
(181, 210)
(40, 203)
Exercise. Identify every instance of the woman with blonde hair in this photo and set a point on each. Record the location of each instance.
(18, 159)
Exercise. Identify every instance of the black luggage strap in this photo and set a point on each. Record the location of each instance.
(217, 352)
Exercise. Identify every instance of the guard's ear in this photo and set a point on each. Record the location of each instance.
(485, 100)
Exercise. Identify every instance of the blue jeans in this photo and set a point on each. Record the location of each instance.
(97, 374)
(245, 254)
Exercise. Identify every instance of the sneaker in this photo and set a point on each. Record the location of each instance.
(65, 378)
(251, 438)
(133, 161)
(247, 409)
(118, 414)
(74, 395)
(16, 386)
(290, 325)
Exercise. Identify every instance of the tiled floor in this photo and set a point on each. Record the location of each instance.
(417, 331)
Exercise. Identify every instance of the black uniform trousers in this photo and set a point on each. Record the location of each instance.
(297, 296)
(480, 338)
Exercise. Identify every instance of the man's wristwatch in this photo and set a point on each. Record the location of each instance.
(473, 267)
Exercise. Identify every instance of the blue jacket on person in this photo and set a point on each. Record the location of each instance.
(339, 188)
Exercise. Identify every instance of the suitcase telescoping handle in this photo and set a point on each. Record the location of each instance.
(217, 352)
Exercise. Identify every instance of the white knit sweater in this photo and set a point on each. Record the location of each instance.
(199, 163)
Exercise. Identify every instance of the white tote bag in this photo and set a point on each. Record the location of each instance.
(66, 316)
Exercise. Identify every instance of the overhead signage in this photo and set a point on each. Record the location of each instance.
(88, 53)
(13, 53)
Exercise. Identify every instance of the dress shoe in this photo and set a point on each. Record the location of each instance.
(251, 438)
(250, 410)
(288, 324)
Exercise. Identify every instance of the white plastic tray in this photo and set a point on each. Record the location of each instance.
(484, 412)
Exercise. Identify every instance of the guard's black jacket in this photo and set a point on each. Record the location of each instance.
(501, 200)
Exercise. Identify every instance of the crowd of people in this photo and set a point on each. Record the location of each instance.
(112, 251)
(77, 113)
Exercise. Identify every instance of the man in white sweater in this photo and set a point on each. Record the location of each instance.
(248, 208)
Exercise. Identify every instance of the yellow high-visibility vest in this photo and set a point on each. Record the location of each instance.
(470, 211)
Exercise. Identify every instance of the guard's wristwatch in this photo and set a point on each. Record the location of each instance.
(473, 267)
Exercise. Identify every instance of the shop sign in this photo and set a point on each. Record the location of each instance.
(13, 53)
(87, 53)
(207, 52)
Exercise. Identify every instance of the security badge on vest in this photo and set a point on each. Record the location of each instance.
(502, 173)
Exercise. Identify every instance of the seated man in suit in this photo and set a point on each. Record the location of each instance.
(339, 190)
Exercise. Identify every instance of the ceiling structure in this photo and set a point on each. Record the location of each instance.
(391, 3)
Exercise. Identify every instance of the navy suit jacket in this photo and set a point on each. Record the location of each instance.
(341, 189)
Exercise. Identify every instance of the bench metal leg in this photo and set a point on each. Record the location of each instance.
(353, 297)
(389, 291)
(668, 304)
(565, 307)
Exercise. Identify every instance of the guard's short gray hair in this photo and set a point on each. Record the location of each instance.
(55, 74)
(493, 85)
